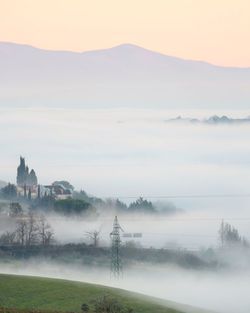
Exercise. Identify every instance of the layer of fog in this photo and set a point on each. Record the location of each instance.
(124, 153)
(226, 292)
(127, 152)
(134, 153)
(191, 230)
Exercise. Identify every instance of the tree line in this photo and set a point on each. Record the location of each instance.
(229, 236)
(30, 229)
(80, 202)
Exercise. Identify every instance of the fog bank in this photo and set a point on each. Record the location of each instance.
(225, 292)
(125, 152)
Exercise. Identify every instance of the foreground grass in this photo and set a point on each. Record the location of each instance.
(24, 292)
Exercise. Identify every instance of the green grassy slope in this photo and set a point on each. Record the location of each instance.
(24, 292)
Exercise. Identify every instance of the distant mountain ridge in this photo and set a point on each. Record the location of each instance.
(125, 75)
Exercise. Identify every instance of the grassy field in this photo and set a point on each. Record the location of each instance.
(24, 292)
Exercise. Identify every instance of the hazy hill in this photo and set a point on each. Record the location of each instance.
(125, 75)
(23, 292)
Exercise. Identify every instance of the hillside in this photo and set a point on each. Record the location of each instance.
(23, 292)
(126, 75)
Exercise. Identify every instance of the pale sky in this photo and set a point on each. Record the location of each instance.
(217, 31)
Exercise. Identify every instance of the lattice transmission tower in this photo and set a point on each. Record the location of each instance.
(116, 262)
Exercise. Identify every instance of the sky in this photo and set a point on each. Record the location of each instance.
(216, 31)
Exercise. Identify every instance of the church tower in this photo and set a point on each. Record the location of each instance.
(21, 173)
(24, 176)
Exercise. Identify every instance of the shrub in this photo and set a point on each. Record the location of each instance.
(106, 304)
(85, 308)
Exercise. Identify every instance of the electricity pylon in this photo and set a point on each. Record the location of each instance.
(116, 264)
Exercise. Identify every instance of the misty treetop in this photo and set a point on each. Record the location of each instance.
(9, 192)
(142, 205)
(72, 206)
(229, 236)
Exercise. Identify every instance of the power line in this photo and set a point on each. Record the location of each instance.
(162, 219)
(176, 234)
(153, 218)
(179, 196)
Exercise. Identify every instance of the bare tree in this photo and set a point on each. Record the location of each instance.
(8, 238)
(94, 236)
(32, 229)
(45, 231)
(42, 226)
(49, 237)
(21, 230)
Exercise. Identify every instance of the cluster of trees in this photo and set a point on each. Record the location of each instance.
(229, 236)
(31, 229)
(140, 205)
(65, 206)
(81, 202)
(15, 209)
(9, 192)
(72, 206)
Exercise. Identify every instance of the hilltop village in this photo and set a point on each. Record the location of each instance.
(60, 196)
(27, 185)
